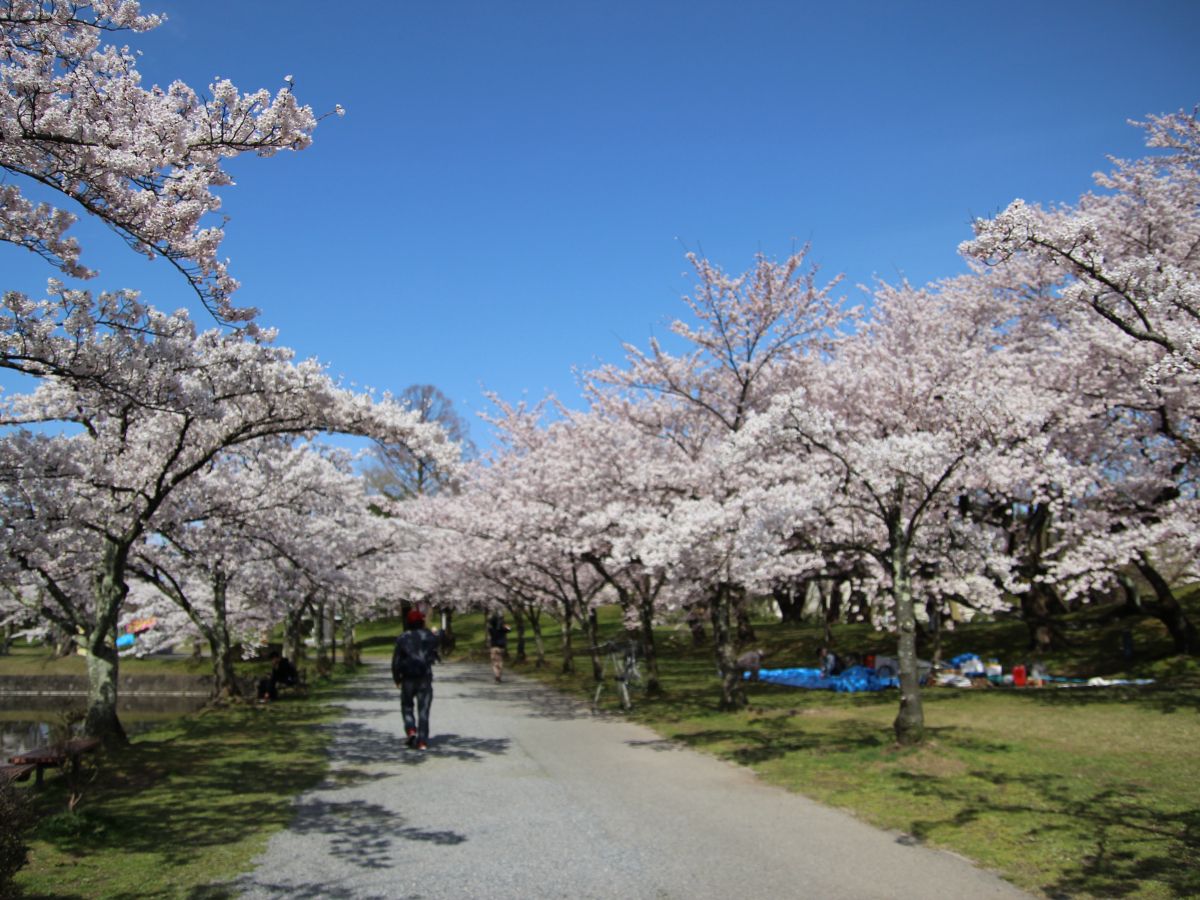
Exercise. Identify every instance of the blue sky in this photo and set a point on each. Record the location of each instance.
(514, 185)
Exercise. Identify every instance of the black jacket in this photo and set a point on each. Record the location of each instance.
(420, 645)
(498, 634)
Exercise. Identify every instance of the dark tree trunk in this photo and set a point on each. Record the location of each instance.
(331, 621)
(791, 602)
(64, 643)
(593, 638)
(349, 651)
(741, 606)
(448, 637)
(539, 644)
(319, 635)
(1044, 633)
(293, 636)
(568, 663)
(1041, 601)
(1167, 610)
(649, 651)
(225, 683)
(733, 693)
(910, 720)
(519, 616)
(833, 607)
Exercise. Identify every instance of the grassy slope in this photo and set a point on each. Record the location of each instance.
(33, 659)
(1066, 791)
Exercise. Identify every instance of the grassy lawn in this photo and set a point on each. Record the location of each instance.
(379, 637)
(35, 659)
(1080, 792)
(185, 808)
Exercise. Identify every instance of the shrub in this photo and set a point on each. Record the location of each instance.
(16, 817)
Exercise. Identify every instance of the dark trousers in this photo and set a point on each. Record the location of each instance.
(419, 690)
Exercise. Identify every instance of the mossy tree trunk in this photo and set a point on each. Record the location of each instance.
(109, 591)
(225, 683)
(909, 725)
(592, 627)
(741, 607)
(568, 655)
(733, 693)
(518, 614)
(539, 643)
(646, 618)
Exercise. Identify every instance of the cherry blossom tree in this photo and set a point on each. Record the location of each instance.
(750, 336)
(75, 118)
(516, 544)
(546, 561)
(253, 505)
(1125, 269)
(153, 403)
(872, 455)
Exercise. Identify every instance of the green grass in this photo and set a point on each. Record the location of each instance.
(184, 809)
(378, 637)
(1075, 792)
(37, 659)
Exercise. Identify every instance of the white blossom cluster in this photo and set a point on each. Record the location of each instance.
(75, 117)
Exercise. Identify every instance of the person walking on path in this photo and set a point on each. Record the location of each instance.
(498, 639)
(412, 669)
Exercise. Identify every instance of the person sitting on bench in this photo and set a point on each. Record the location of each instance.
(282, 673)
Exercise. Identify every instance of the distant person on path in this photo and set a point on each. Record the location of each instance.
(498, 639)
(282, 673)
(412, 669)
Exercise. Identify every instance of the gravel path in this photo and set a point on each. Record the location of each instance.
(524, 794)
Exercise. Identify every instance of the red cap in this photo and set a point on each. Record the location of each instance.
(414, 616)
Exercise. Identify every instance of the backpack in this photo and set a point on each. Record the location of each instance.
(412, 657)
(497, 633)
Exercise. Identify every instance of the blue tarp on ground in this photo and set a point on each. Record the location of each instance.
(852, 680)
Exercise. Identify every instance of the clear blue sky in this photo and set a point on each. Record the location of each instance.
(514, 185)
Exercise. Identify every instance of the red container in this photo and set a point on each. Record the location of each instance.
(870, 660)
(1018, 676)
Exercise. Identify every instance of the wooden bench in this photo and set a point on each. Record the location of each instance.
(15, 773)
(56, 756)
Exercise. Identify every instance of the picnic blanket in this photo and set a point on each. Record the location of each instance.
(851, 680)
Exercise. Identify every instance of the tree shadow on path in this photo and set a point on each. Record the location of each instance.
(361, 835)
(533, 699)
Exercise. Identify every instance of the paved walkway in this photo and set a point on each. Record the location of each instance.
(524, 794)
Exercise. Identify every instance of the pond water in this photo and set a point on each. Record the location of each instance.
(28, 722)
